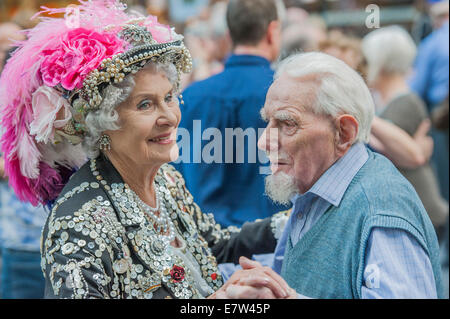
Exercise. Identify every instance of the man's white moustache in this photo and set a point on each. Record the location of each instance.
(276, 157)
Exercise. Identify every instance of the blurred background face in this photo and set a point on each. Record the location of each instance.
(148, 122)
(344, 48)
(303, 146)
(439, 12)
(9, 32)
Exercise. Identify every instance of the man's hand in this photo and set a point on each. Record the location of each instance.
(254, 282)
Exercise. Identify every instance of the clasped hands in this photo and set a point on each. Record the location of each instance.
(254, 282)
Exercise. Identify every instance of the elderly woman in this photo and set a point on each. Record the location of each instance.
(123, 224)
(390, 52)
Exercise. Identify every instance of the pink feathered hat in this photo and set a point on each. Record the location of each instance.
(58, 75)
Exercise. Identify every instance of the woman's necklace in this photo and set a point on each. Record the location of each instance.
(163, 223)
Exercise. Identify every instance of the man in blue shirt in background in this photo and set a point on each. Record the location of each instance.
(431, 71)
(221, 114)
(430, 81)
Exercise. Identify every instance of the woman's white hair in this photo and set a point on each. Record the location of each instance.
(106, 118)
(390, 50)
(341, 90)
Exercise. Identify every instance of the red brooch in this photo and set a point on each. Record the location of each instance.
(213, 276)
(177, 273)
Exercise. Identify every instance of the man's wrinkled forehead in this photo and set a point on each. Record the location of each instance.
(289, 91)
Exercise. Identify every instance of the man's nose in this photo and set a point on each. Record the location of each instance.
(269, 140)
(262, 140)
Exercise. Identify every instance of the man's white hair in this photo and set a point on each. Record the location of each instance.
(389, 49)
(341, 89)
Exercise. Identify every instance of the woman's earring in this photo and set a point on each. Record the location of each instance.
(105, 143)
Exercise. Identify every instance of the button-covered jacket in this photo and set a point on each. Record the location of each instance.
(97, 242)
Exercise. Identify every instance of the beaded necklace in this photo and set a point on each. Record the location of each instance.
(163, 222)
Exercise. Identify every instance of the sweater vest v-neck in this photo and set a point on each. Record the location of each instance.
(328, 261)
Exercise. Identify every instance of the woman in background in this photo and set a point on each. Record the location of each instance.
(390, 53)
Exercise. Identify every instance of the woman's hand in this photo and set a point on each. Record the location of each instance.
(403, 150)
(254, 282)
(424, 141)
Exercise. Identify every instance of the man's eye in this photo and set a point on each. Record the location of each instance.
(289, 127)
(290, 123)
(144, 105)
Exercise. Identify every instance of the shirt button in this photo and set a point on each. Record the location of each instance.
(300, 216)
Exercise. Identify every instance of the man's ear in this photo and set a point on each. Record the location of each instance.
(346, 132)
(273, 32)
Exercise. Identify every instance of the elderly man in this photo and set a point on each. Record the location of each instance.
(357, 228)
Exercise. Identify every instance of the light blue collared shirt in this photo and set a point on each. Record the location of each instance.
(396, 265)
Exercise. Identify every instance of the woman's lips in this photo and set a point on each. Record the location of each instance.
(163, 139)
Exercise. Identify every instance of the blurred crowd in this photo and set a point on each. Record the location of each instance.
(406, 67)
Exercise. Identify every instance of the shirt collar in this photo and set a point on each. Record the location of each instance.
(243, 59)
(331, 186)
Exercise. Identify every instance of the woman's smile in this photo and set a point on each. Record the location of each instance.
(163, 139)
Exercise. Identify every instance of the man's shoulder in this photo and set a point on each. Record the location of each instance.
(231, 79)
(203, 87)
(379, 181)
(377, 162)
(379, 195)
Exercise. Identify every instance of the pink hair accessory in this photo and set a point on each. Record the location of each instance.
(47, 103)
(79, 52)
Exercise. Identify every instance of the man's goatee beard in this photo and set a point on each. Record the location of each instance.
(280, 188)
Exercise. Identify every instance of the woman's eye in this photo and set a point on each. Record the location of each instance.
(144, 105)
(168, 98)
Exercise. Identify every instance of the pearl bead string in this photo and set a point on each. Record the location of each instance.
(163, 221)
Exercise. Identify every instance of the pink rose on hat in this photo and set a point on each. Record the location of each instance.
(79, 52)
